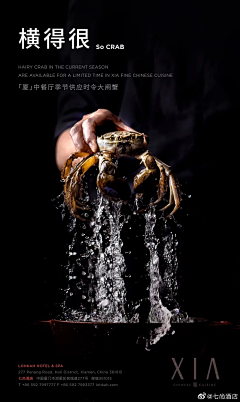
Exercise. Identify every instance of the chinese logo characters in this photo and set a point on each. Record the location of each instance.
(54, 37)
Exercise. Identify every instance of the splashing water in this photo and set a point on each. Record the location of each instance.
(110, 265)
(103, 265)
(158, 313)
(96, 271)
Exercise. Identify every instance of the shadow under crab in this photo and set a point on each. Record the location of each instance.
(115, 145)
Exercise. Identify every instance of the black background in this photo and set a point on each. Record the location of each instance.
(209, 257)
(209, 239)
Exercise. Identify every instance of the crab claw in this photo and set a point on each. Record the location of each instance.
(147, 178)
(108, 184)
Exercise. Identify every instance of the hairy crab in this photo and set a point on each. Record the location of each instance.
(111, 146)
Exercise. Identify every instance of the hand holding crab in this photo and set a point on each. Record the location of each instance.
(115, 145)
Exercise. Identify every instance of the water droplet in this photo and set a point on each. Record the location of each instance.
(103, 263)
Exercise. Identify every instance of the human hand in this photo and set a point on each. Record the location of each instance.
(83, 133)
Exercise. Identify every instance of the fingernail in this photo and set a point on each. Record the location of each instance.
(93, 146)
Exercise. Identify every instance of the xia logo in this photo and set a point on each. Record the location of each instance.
(212, 366)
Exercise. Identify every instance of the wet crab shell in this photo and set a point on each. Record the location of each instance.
(111, 146)
(123, 143)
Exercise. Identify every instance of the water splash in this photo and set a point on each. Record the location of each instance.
(96, 270)
(101, 261)
(110, 291)
(158, 313)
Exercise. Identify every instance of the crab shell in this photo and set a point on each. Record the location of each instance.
(123, 143)
(114, 145)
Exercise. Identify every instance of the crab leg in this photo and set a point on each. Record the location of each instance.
(68, 164)
(74, 207)
(150, 171)
(174, 196)
(162, 184)
(162, 187)
(165, 171)
(81, 167)
(108, 183)
(171, 199)
(73, 181)
(173, 187)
